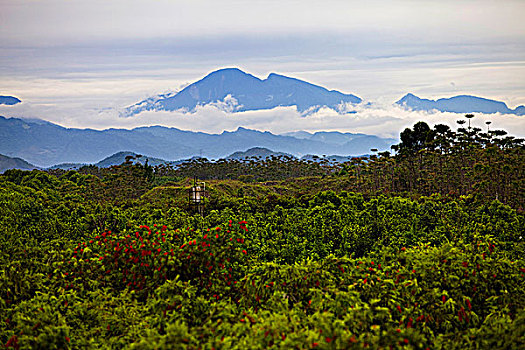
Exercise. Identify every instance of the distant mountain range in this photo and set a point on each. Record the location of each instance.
(14, 163)
(119, 158)
(46, 144)
(459, 104)
(234, 91)
(9, 100)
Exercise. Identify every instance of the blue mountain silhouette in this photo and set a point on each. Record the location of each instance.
(235, 90)
(459, 104)
(9, 100)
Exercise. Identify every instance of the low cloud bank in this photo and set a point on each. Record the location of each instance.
(374, 119)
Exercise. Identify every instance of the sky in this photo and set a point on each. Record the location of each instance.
(77, 63)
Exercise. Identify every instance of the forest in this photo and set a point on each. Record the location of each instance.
(418, 248)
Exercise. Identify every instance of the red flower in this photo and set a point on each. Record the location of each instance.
(444, 298)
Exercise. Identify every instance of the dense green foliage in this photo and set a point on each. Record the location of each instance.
(338, 258)
(429, 161)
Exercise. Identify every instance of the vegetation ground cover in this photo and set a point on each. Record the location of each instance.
(421, 249)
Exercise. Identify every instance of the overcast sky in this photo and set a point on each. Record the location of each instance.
(77, 62)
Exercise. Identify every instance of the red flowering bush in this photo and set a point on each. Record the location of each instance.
(144, 259)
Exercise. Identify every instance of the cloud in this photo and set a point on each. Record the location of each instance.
(77, 63)
(376, 119)
(60, 21)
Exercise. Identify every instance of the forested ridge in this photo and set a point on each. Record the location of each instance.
(421, 247)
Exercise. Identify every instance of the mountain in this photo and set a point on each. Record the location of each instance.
(7, 163)
(258, 152)
(459, 104)
(9, 100)
(45, 144)
(298, 134)
(234, 91)
(120, 157)
(336, 137)
(114, 159)
(347, 140)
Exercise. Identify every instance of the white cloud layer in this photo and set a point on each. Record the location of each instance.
(381, 120)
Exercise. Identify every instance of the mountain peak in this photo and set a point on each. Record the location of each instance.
(235, 91)
(408, 97)
(227, 73)
(232, 71)
(228, 69)
(278, 76)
